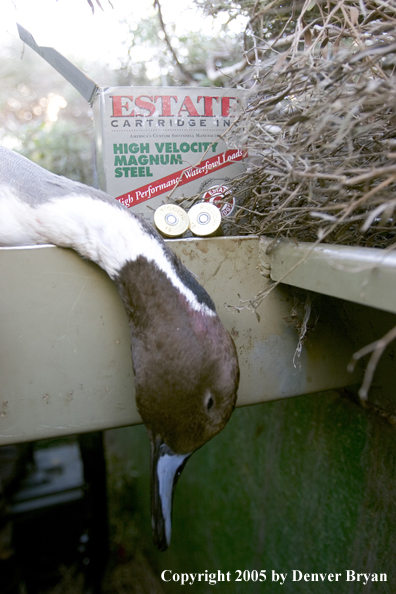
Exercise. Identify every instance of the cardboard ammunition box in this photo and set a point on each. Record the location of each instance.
(155, 143)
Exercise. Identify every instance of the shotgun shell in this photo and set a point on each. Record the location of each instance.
(205, 219)
(171, 220)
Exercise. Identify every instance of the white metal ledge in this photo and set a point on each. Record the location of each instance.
(65, 362)
(362, 275)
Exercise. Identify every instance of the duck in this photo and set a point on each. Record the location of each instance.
(184, 360)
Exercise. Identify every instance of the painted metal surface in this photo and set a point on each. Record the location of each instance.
(305, 484)
(65, 357)
(361, 275)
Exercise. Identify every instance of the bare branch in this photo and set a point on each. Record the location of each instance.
(376, 348)
(99, 4)
(186, 75)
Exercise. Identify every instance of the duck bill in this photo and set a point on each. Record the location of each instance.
(166, 467)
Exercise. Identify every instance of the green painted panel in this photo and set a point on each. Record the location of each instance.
(303, 484)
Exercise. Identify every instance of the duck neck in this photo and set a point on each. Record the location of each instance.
(152, 300)
(101, 231)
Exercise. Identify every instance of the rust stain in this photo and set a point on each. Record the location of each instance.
(234, 333)
(188, 253)
(202, 247)
(4, 407)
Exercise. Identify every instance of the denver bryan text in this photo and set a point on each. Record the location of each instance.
(349, 575)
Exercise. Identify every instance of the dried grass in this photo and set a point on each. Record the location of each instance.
(320, 125)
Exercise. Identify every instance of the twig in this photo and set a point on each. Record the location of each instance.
(376, 348)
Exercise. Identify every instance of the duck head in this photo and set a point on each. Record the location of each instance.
(186, 375)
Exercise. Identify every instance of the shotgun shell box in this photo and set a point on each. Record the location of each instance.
(155, 142)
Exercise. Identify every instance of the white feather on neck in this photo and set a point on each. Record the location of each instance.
(97, 230)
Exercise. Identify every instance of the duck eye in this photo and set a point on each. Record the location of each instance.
(209, 402)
